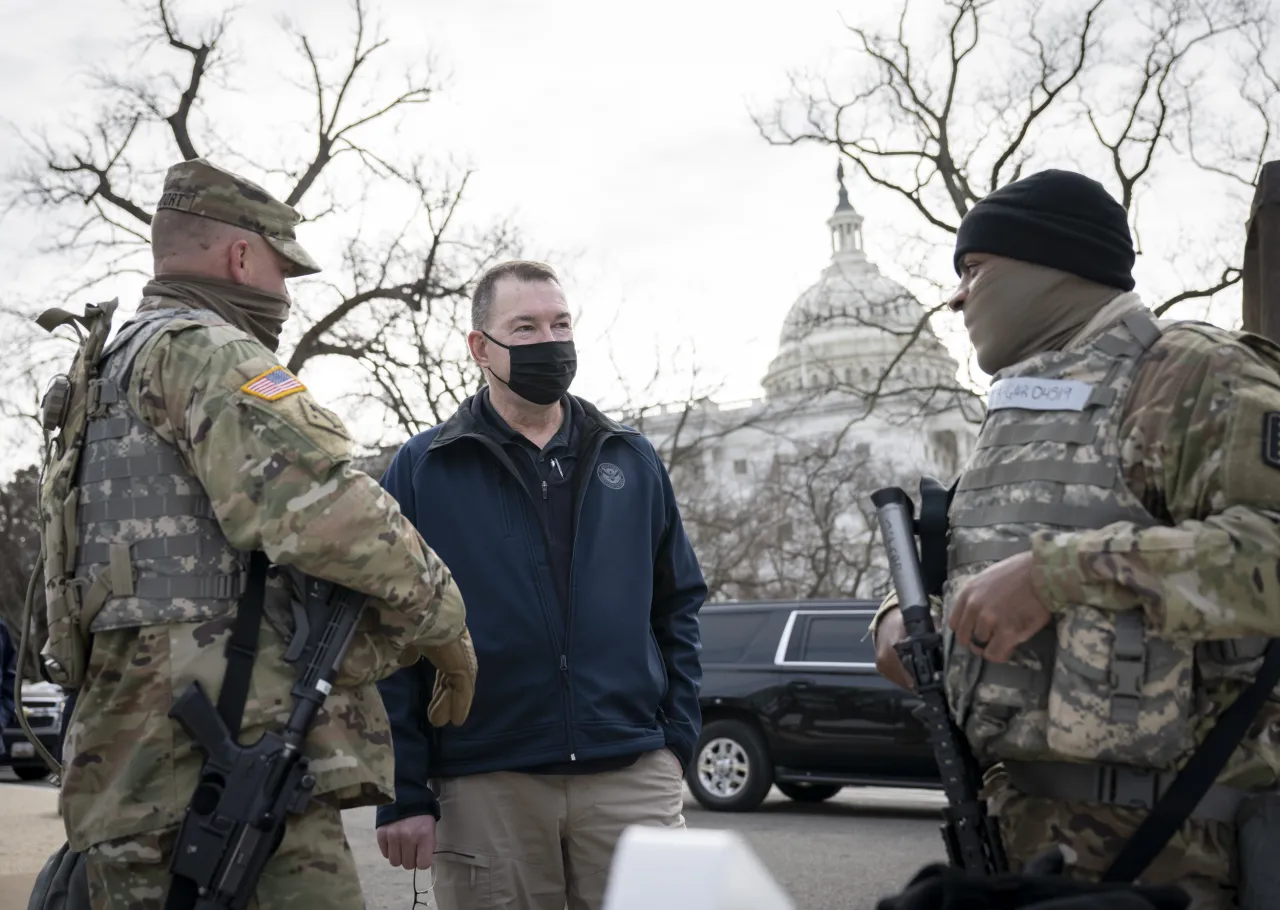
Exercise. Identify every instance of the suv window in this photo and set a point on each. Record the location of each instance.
(726, 637)
(830, 639)
(837, 639)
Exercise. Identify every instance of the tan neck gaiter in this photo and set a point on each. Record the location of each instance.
(259, 313)
(1016, 309)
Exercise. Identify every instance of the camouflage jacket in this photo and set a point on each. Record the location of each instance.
(279, 476)
(1197, 452)
(1200, 454)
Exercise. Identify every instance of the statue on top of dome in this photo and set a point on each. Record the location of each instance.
(844, 193)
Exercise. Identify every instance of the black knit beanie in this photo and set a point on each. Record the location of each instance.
(1054, 218)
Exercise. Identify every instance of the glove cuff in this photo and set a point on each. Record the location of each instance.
(457, 655)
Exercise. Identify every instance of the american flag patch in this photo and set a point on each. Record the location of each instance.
(274, 384)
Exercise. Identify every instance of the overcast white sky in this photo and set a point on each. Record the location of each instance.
(617, 133)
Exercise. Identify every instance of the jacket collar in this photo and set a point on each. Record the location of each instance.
(465, 422)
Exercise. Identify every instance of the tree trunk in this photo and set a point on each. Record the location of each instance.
(1261, 298)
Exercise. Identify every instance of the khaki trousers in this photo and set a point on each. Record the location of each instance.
(545, 842)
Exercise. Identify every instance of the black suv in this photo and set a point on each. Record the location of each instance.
(790, 696)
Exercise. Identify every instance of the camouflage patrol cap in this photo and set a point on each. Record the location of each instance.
(199, 187)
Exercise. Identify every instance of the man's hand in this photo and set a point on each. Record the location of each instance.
(676, 759)
(409, 843)
(892, 629)
(455, 685)
(998, 609)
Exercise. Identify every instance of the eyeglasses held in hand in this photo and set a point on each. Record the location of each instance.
(420, 897)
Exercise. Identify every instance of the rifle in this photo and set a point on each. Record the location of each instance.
(972, 837)
(236, 818)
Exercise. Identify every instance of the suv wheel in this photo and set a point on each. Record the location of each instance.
(809, 793)
(731, 771)
(31, 772)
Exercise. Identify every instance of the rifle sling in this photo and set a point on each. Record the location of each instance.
(1197, 776)
(242, 646)
(242, 650)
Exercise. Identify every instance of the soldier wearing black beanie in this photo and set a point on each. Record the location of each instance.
(1126, 474)
(1054, 218)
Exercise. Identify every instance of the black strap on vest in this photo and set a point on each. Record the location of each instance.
(1201, 770)
(242, 650)
(242, 646)
(932, 529)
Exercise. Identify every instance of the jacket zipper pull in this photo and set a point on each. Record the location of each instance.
(544, 491)
(564, 668)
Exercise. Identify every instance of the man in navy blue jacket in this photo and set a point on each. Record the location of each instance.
(561, 529)
(8, 680)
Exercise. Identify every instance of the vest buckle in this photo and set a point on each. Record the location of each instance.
(1128, 668)
(1127, 786)
(100, 394)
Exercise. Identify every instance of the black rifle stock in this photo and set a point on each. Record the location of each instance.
(972, 837)
(236, 818)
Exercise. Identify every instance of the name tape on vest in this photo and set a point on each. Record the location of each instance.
(1034, 394)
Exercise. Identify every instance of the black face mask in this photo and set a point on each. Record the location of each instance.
(540, 372)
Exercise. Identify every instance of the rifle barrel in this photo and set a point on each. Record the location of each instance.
(894, 511)
(971, 836)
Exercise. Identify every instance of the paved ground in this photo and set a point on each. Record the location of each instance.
(30, 830)
(841, 855)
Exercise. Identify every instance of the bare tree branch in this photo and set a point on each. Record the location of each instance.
(331, 133)
(916, 142)
(1230, 276)
(393, 306)
(1034, 109)
(178, 120)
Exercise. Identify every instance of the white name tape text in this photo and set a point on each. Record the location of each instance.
(1035, 394)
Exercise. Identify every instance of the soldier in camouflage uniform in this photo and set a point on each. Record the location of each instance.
(200, 447)
(1112, 565)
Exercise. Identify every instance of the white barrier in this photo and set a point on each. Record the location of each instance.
(675, 869)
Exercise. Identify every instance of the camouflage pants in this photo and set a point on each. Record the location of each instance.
(1201, 857)
(312, 868)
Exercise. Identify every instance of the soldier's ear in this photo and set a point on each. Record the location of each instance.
(238, 261)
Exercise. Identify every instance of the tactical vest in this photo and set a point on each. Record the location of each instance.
(1093, 685)
(136, 542)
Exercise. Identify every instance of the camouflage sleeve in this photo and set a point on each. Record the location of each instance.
(277, 468)
(1201, 451)
(890, 602)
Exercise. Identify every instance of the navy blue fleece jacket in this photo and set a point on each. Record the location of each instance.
(611, 670)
